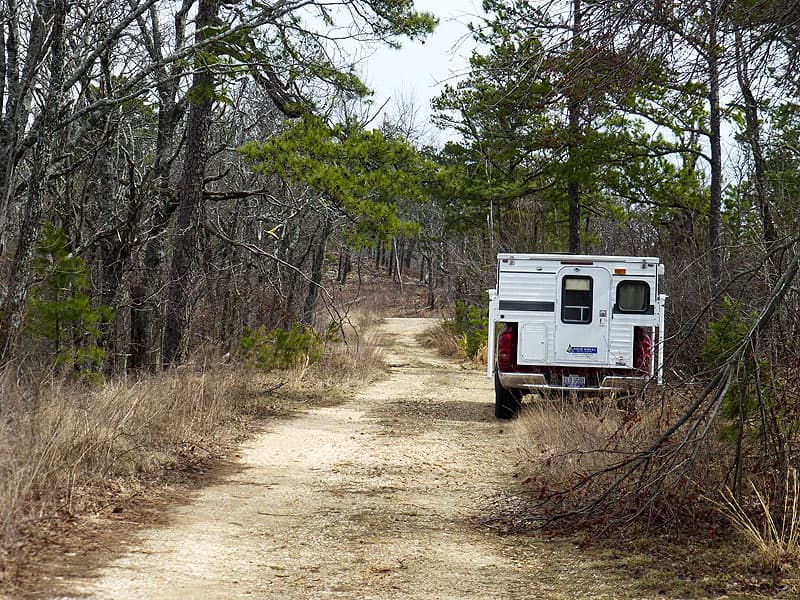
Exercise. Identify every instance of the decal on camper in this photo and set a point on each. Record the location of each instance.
(582, 349)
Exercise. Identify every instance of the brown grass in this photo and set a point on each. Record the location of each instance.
(686, 547)
(449, 344)
(571, 452)
(66, 449)
(444, 341)
(346, 365)
(561, 438)
(62, 439)
(773, 532)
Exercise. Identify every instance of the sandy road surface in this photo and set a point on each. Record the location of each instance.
(370, 499)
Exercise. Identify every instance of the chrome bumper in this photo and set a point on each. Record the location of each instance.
(537, 381)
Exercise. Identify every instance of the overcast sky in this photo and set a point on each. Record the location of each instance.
(419, 71)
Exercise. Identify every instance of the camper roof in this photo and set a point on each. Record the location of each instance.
(578, 257)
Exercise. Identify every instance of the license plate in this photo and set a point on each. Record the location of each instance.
(574, 381)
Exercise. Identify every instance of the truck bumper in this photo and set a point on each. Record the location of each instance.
(537, 381)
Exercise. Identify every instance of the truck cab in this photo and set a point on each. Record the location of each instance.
(574, 323)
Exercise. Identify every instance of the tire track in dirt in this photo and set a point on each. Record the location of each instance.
(374, 498)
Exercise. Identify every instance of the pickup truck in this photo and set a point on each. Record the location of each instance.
(574, 324)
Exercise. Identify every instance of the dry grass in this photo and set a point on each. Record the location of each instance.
(61, 439)
(773, 529)
(567, 454)
(562, 439)
(345, 366)
(572, 453)
(444, 341)
(483, 355)
(65, 450)
(450, 345)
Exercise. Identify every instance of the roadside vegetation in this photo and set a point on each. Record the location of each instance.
(695, 536)
(463, 335)
(70, 450)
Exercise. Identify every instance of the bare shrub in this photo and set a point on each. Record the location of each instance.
(379, 295)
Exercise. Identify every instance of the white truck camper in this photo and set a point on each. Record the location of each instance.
(574, 323)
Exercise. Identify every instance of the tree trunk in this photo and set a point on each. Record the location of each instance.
(17, 95)
(753, 135)
(189, 237)
(431, 285)
(397, 265)
(290, 240)
(146, 309)
(715, 141)
(408, 254)
(317, 271)
(573, 189)
(17, 293)
(344, 265)
(138, 347)
(390, 269)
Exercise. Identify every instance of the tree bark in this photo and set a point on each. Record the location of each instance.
(18, 93)
(431, 285)
(715, 141)
(573, 188)
(317, 271)
(753, 135)
(53, 11)
(189, 237)
(408, 254)
(138, 347)
(17, 292)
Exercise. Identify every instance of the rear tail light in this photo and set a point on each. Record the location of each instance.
(507, 346)
(643, 349)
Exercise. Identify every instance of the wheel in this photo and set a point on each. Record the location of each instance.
(506, 402)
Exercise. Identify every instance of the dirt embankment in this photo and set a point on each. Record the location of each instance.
(375, 498)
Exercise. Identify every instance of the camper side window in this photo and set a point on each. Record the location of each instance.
(576, 299)
(633, 296)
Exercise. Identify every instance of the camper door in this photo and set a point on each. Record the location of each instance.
(582, 316)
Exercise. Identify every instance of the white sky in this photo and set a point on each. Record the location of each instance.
(418, 71)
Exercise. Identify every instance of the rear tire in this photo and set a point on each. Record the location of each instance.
(506, 402)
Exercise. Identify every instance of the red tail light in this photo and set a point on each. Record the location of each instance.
(507, 346)
(643, 349)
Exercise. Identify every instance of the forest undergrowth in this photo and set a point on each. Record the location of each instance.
(70, 451)
(682, 536)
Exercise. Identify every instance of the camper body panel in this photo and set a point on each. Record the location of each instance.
(579, 321)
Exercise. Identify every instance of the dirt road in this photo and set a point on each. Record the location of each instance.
(375, 498)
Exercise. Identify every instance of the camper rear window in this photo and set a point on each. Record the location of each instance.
(633, 296)
(576, 299)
